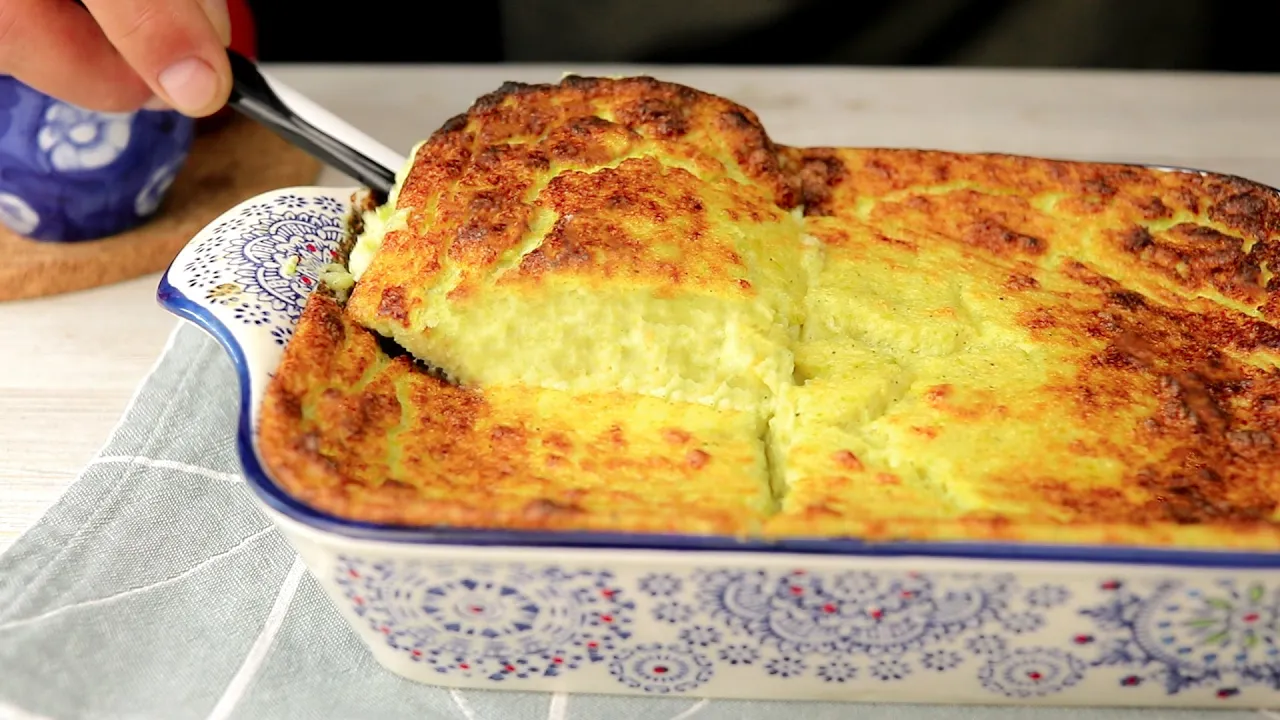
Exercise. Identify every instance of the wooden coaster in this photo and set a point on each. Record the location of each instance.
(229, 162)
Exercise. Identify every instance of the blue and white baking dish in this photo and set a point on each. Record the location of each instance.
(670, 615)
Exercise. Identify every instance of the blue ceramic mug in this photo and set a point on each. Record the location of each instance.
(69, 174)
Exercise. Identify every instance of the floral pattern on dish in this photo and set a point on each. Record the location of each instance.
(268, 255)
(841, 629)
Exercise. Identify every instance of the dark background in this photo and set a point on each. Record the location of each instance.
(1224, 35)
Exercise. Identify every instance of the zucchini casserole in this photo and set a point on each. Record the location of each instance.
(617, 305)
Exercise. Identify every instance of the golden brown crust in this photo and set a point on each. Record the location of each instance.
(1130, 201)
(622, 167)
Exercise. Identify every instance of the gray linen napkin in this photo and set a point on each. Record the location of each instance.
(155, 589)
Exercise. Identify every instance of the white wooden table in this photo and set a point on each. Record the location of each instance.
(68, 365)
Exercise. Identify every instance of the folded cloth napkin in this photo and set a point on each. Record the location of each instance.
(155, 589)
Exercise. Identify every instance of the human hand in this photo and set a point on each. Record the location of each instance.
(119, 55)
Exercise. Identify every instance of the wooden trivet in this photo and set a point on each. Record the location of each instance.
(230, 161)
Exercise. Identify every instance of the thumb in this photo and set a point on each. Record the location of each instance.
(175, 46)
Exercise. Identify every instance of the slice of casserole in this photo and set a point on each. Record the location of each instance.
(592, 236)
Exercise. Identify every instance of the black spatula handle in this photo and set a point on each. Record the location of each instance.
(255, 97)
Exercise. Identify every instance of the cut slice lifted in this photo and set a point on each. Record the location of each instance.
(593, 236)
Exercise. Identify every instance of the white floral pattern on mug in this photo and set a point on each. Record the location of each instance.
(158, 184)
(78, 139)
(17, 214)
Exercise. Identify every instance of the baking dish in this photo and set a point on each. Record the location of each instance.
(717, 617)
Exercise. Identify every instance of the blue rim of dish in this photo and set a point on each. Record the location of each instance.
(278, 500)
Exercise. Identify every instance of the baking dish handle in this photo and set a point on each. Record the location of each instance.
(245, 277)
